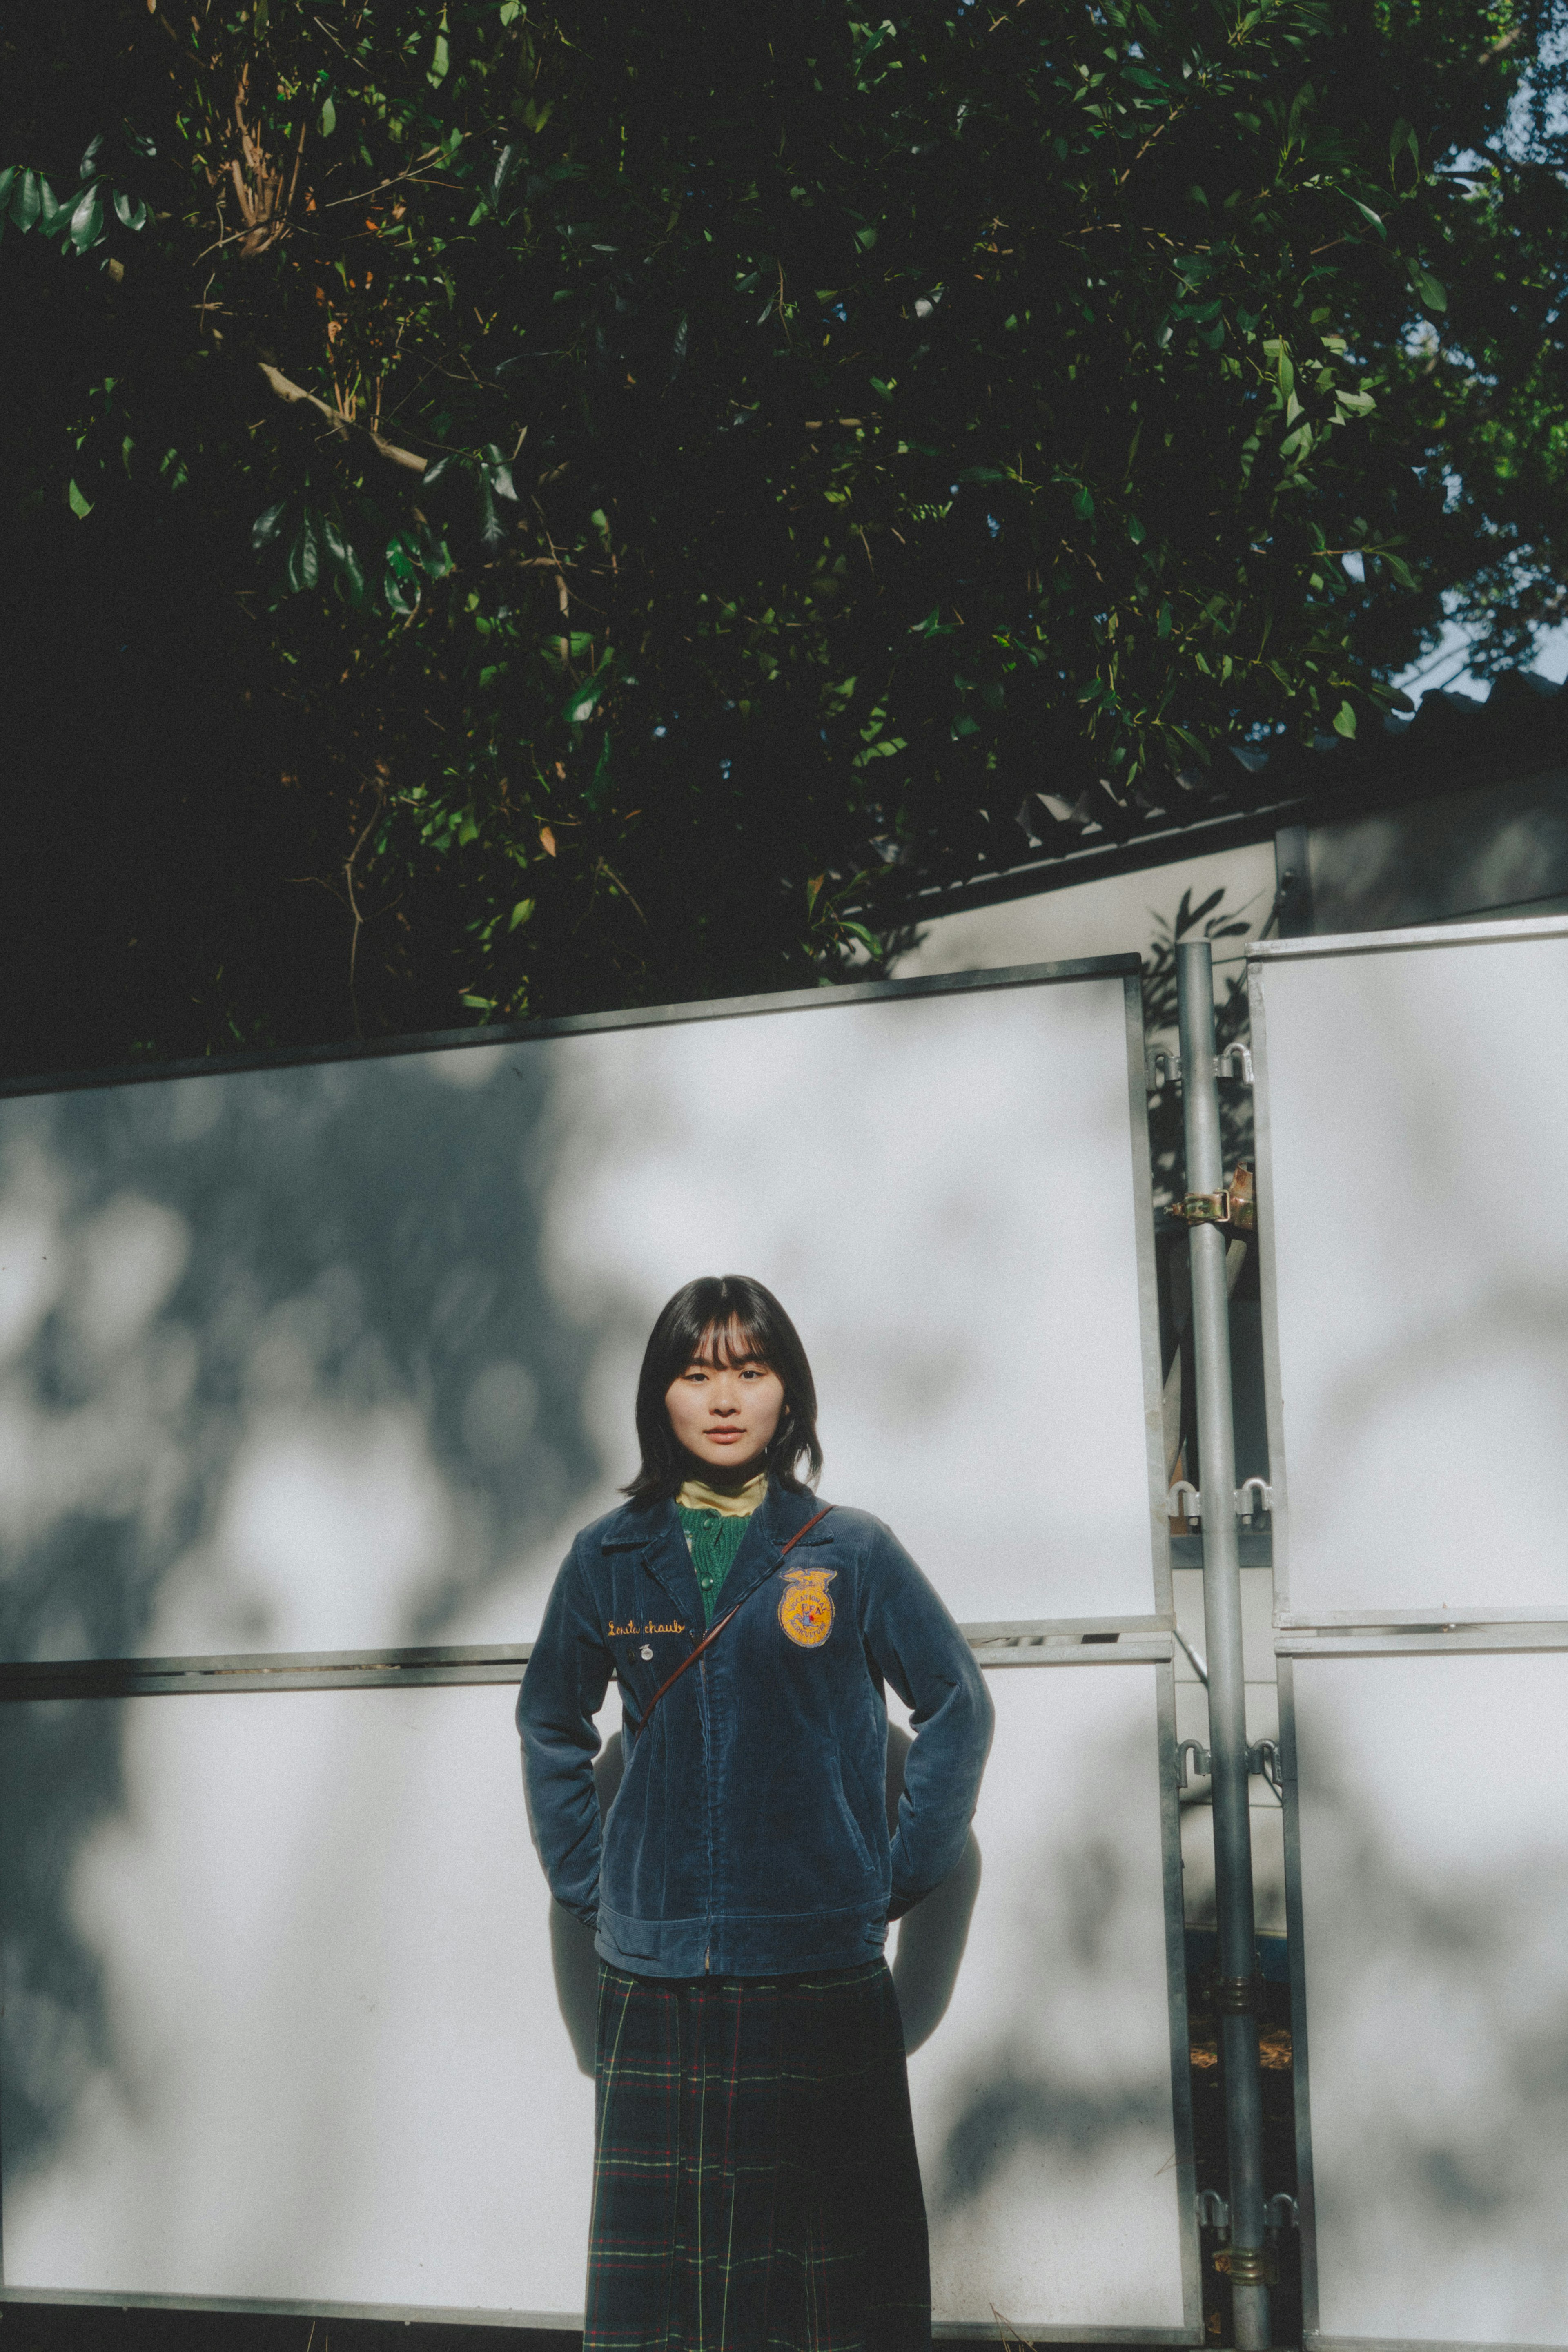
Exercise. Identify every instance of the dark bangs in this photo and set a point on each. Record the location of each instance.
(740, 1319)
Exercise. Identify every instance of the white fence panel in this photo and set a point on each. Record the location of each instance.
(290, 2019)
(1428, 1875)
(1412, 1128)
(337, 1355)
(1052, 2103)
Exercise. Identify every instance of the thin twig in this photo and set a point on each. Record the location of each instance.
(605, 867)
(397, 180)
(342, 426)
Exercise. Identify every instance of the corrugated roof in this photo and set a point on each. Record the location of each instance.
(1248, 792)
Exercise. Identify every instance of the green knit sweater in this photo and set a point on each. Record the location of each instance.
(712, 1541)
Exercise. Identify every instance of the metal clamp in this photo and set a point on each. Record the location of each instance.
(1202, 1209)
(1253, 1491)
(1213, 2212)
(1183, 1501)
(1201, 1763)
(1264, 1760)
(1247, 2265)
(1172, 1060)
(1243, 1199)
(1235, 1205)
(1238, 1996)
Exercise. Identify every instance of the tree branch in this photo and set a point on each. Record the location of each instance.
(343, 426)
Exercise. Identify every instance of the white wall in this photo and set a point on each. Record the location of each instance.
(319, 2035)
(341, 1356)
(1435, 1927)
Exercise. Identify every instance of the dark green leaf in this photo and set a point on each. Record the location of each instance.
(267, 525)
(87, 218)
(400, 587)
(345, 559)
(580, 702)
(433, 554)
(598, 790)
(304, 557)
(86, 166)
(506, 164)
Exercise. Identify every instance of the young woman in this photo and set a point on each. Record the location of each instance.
(756, 2187)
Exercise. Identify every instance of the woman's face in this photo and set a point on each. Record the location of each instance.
(724, 1414)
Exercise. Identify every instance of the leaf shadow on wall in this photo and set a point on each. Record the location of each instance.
(280, 1369)
(1436, 1985)
(1076, 2065)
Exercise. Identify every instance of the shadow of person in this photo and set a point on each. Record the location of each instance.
(931, 1937)
(574, 1960)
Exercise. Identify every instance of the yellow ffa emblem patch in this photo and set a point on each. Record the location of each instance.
(805, 1610)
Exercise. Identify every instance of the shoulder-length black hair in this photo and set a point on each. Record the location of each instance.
(738, 1317)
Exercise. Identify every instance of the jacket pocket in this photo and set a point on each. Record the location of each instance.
(852, 1829)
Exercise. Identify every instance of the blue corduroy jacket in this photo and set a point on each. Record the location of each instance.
(748, 1836)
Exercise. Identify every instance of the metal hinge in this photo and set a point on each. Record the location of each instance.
(1178, 1508)
(1283, 2212)
(1213, 2212)
(1201, 1764)
(1264, 1760)
(1171, 1058)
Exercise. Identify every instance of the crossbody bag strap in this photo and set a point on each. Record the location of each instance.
(714, 1631)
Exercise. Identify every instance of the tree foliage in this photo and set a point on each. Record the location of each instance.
(649, 485)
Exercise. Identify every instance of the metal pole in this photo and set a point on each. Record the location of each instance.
(1235, 1995)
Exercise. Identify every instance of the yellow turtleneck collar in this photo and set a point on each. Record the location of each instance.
(696, 1494)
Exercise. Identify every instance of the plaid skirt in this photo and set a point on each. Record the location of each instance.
(756, 2186)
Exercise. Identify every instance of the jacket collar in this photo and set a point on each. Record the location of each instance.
(656, 1532)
